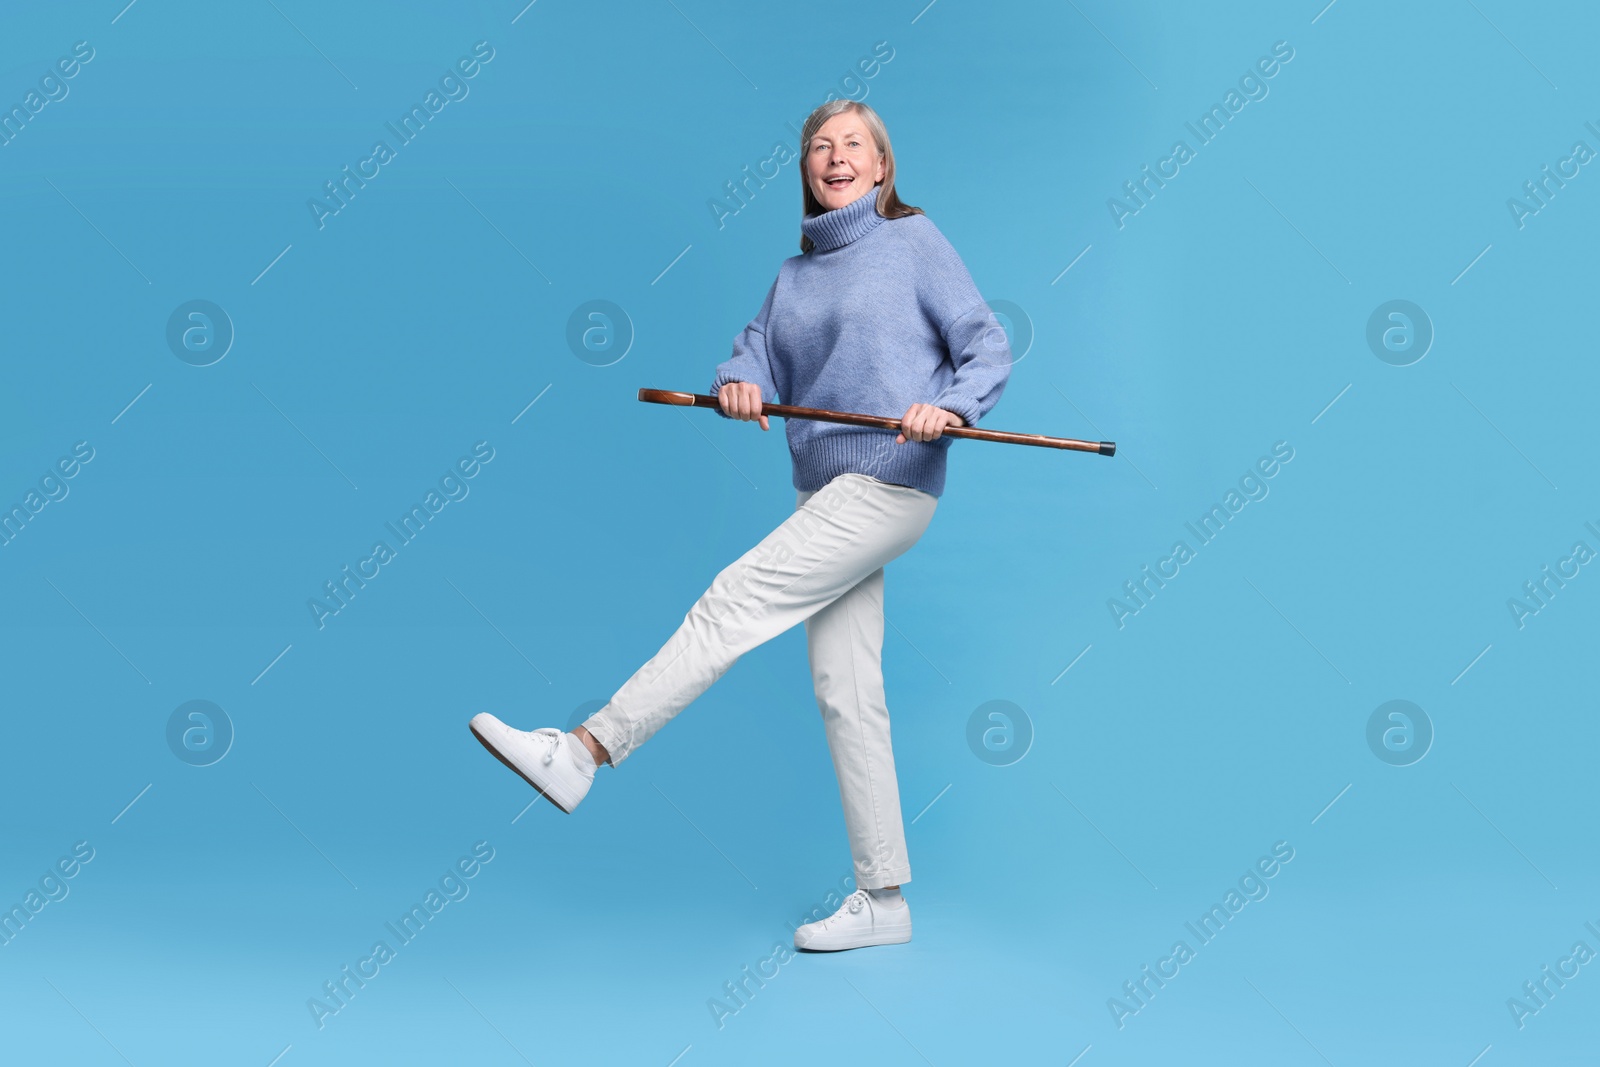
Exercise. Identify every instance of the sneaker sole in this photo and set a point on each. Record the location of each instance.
(887, 938)
(495, 752)
(861, 942)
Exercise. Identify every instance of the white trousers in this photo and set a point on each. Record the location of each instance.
(822, 566)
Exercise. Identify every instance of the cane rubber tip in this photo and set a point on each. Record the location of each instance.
(1108, 448)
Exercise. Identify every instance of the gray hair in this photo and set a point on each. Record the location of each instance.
(889, 204)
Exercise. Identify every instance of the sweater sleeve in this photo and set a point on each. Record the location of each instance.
(978, 346)
(751, 361)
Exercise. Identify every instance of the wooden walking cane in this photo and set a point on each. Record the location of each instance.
(883, 422)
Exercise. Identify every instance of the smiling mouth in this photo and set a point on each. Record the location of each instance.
(839, 182)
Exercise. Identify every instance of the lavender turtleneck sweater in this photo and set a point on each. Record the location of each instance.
(879, 315)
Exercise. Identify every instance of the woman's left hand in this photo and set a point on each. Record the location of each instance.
(924, 422)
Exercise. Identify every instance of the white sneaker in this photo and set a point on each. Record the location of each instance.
(554, 762)
(859, 922)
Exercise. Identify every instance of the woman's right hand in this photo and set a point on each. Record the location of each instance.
(742, 400)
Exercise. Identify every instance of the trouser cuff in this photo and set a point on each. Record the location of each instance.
(896, 876)
(606, 732)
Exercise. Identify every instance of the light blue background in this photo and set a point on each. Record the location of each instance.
(427, 315)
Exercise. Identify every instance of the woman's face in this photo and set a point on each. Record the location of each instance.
(843, 163)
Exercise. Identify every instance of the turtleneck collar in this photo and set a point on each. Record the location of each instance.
(835, 229)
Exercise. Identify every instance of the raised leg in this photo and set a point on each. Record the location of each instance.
(836, 536)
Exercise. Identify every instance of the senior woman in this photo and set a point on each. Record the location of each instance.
(877, 314)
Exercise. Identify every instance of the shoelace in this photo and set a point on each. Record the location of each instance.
(555, 741)
(854, 903)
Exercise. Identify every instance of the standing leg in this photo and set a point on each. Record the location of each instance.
(845, 642)
(836, 536)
